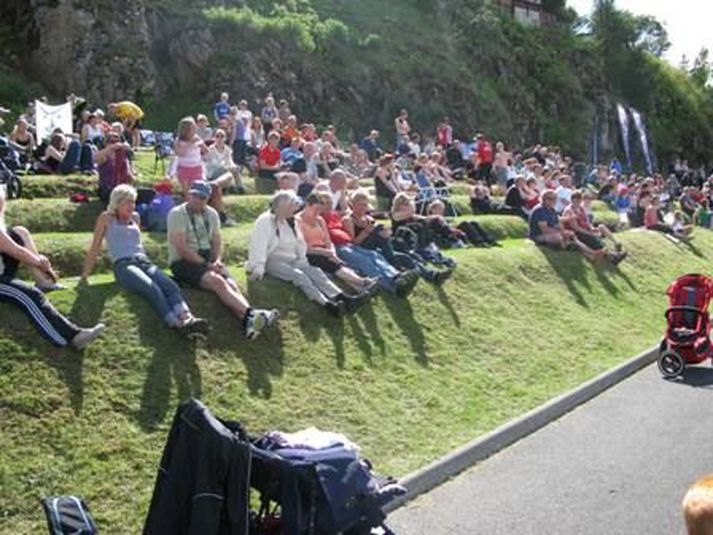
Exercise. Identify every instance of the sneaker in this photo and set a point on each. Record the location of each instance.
(442, 276)
(352, 302)
(195, 327)
(86, 336)
(254, 324)
(371, 285)
(336, 308)
(270, 316)
(54, 287)
(619, 258)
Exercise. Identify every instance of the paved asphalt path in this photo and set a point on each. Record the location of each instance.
(619, 464)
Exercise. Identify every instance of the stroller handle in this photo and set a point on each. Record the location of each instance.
(683, 308)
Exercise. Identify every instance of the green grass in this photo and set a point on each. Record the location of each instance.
(408, 380)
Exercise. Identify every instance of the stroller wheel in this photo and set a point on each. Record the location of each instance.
(671, 364)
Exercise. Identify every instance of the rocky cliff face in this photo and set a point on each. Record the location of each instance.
(93, 48)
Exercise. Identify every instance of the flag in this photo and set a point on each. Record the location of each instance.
(51, 117)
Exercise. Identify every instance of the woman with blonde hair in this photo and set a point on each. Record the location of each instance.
(698, 507)
(133, 270)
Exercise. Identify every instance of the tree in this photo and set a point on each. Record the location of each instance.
(701, 70)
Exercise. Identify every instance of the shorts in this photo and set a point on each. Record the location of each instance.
(325, 264)
(189, 273)
(593, 242)
(135, 125)
(188, 175)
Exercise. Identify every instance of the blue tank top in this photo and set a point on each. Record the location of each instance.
(123, 240)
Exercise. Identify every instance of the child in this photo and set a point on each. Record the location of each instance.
(681, 229)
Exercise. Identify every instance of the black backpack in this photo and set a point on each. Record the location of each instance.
(68, 515)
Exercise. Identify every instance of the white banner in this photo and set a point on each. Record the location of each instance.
(51, 117)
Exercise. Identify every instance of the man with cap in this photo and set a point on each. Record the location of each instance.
(195, 248)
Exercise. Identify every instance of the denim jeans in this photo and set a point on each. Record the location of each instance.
(139, 275)
(397, 259)
(369, 264)
(77, 157)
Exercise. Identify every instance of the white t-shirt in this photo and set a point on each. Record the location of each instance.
(564, 199)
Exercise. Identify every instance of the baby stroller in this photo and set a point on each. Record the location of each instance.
(209, 466)
(687, 338)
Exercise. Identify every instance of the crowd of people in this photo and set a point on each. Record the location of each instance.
(344, 221)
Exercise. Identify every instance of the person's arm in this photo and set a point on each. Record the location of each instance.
(257, 251)
(179, 241)
(101, 155)
(216, 244)
(22, 254)
(90, 260)
(51, 152)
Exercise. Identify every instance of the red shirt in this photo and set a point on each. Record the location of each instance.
(485, 152)
(580, 216)
(338, 235)
(270, 155)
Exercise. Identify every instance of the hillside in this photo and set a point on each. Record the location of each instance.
(408, 380)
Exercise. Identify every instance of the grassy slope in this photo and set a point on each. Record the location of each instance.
(395, 377)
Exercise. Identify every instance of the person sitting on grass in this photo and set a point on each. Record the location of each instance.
(219, 166)
(414, 233)
(113, 165)
(702, 215)
(133, 270)
(203, 129)
(546, 230)
(386, 183)
(65, 158)
(278, 249)
(18, 248)
(367, 233)
(654, 221)
(22, 140)
(576, 219)
(320, 250)
(454, 237)
(195, 248)
(270, 159)
(368, 263)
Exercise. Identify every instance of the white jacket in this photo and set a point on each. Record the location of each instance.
(265, 240)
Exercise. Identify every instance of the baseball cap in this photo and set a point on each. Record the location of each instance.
(201, 189)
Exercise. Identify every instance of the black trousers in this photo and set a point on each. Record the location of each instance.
(48, 320)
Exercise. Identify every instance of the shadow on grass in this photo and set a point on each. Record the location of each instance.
(86, 311)
(402, 314)
(571, 267)
(446, 302)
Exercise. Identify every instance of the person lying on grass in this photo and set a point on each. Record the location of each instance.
(120, 226)
(278, 249)
(17, 247)
(546, 229)
(195, 249)
(576, 219)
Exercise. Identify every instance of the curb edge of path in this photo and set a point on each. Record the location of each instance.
(465, 457)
